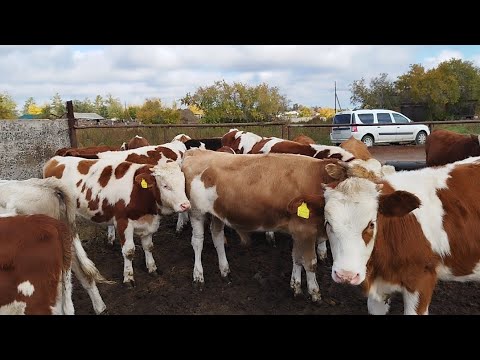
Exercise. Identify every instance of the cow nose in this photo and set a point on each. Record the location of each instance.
(185, 206)
(347, 276)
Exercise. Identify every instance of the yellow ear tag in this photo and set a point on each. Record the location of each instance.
(144, 184)
(303, 211)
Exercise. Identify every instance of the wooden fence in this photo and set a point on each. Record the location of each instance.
(115, 135)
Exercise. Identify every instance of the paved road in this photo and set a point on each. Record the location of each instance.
(384, 153)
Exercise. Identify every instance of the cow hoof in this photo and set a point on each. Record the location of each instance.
(130, 283)
(316, 298)
(104, 312)
(227, 279)
(197, 285)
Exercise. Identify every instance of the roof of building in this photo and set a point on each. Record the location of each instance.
(88, 116)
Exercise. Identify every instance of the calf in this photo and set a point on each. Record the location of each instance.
(304, 139)
(404, 232)
(357, 148)
(209, 144)
(91, 151)
(128, 195)
(134, 143)
(51, 197)
(35, 256)
(258, 193)
(444, 147)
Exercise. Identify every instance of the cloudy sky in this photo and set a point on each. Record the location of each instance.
(304, 73)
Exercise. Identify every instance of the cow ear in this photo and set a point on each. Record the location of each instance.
(315, 204)
(398, 203)
(336, 171)
(145, 181)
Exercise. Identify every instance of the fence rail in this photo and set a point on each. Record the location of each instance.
(113, 135)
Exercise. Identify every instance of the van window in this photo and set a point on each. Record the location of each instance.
(384, 118)
(342, 119)
(366, 118)
(400, 119)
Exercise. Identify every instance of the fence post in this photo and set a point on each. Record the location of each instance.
(72, 134)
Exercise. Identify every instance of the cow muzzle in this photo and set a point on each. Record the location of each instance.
(185, 206)
(343, 276)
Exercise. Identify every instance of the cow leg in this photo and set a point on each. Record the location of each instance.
(182, 221)
(197, 220)
(322, 247)
(90, 286)
(218, 237)
(378, 306)
(296, 279)
(417, 302)
(147, 246)
(111, 234)
(245, 238)
(68, 308)
(125, 234)
(270, 236)
(304, 253)
(87, 282)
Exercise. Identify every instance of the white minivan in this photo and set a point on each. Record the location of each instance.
(392, 127)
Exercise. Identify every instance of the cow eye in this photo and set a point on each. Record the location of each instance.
(371, 225)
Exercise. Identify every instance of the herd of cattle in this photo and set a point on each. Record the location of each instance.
(389, 231)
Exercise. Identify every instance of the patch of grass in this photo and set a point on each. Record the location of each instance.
(460, 128)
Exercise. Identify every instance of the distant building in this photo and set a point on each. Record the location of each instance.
(28, 117)
(87, 116)
(188, 117)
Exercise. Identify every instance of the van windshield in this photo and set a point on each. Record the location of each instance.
(342, 119)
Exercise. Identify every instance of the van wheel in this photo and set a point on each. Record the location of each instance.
(421, 138)
(368, 140)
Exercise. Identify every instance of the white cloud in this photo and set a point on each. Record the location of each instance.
(444, 55)
(304, 73)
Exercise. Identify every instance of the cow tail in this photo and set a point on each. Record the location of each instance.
(79, 255)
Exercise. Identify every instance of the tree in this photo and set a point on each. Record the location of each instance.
(7, 107)
(46, 111)
(222, 102)
(85, 106)
(380, 93)
(434, 89)
(465, 78)
(114, 107)
(100, 107)
(305, 111)
(151, 111)
(133, 111)
(30, 101)
(58, 107)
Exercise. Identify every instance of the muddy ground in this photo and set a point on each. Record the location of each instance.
(260, 276)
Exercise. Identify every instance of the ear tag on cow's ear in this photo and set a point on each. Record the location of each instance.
(303, 211)
(144, 184)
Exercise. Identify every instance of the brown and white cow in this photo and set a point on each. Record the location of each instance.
(35, 254)
(52, 198)
(90, 152)
(404, 232)
(249, 143)
(258, 193)
(444, 147)
(127, 195)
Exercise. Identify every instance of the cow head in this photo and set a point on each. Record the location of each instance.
(170, 181)
(182, 138)
(351, 210)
